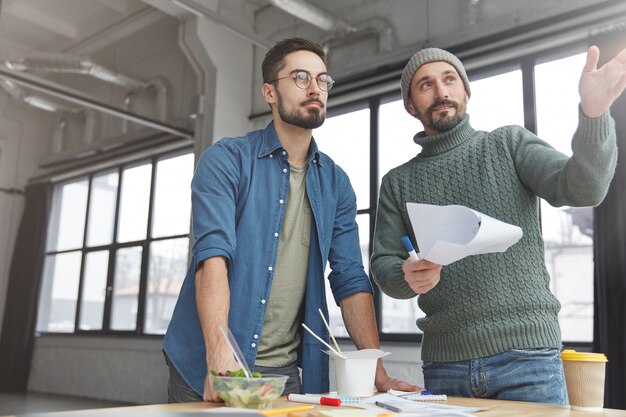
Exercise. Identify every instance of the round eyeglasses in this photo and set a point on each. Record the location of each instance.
(303, 79)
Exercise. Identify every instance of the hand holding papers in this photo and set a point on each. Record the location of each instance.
(446, 234)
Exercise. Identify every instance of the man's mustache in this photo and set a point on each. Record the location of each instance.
(313, 100)
(442, 102)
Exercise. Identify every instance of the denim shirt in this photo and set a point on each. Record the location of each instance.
(239, 194)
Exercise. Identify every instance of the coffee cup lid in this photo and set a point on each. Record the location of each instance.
(572, 355)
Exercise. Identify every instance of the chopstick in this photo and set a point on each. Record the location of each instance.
(321, 340)
(329, 332)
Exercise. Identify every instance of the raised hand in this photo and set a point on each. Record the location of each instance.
(600, 87)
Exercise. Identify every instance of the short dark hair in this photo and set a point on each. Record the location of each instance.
(274, 59)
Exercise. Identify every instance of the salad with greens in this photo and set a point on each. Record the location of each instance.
(238, 391)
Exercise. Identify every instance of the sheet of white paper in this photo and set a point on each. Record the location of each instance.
(424, 408)
(446, 234)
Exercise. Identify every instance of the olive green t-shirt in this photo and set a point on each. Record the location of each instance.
(280, 338)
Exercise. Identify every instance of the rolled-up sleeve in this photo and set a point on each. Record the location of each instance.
(347, 273)
(214, 194)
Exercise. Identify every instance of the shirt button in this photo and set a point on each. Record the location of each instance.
(263, 301)
(270, 268)
(281, 201)
(284, 153)
(285, 170)
(253, 345)
(271, 156)
(275, 234)
(256, 336)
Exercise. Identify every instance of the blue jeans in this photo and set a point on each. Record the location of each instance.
(534, 375)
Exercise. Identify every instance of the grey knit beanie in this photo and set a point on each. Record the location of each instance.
(425, 56)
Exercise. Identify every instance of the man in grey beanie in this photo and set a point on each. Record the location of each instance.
(491, 327)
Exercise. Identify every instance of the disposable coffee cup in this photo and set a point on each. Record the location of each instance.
(355, 373)
(584, 377)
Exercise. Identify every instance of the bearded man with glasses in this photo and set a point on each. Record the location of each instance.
(269, 212)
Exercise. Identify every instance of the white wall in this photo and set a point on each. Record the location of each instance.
(22, 144)
(109, 368)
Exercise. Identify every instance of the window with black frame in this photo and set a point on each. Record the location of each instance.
(117, 248)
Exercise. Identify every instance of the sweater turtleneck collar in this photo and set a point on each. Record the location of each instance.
(443, 142)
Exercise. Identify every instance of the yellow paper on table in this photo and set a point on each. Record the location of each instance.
(354, 412)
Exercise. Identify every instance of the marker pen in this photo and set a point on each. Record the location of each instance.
(389, 407)
(314, 399)
(409, 248)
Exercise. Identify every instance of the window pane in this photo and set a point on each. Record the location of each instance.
(567, 231)
(397, 129)
(102, 209)
(94, 290)
(134, 203)
(172, 202)
(399, 315)
(336, 321)
(168, 264)
(485, 105)
(346, 139)
(67, 218)
(126, 289)
(59, 291)
(396, 132)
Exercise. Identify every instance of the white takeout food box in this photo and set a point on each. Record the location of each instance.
(355, 373)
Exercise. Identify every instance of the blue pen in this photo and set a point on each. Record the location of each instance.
(409, 248)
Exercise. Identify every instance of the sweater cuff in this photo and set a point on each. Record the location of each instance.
(595, 130)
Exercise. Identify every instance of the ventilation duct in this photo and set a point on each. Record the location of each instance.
(62, 63)
(314, 16)
(377, 26)
(39, 102)
(339, 29)
(70, 64)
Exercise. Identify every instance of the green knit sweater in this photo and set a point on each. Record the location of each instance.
(488, 304)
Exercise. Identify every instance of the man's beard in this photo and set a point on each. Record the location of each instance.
(312, 120)
(446, 121)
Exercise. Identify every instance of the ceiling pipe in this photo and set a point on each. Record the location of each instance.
(378, 26)
(206, 13)
(339, 29)
(63, 63)
(39, 102)
(314, 16)
(73, 96)
(45, 104)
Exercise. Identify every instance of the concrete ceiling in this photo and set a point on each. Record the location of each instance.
(82, 27)
(360, 35)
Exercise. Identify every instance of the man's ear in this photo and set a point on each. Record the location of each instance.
(411, 109)
(269, 93)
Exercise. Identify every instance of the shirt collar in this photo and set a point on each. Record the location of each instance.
(271, 143)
